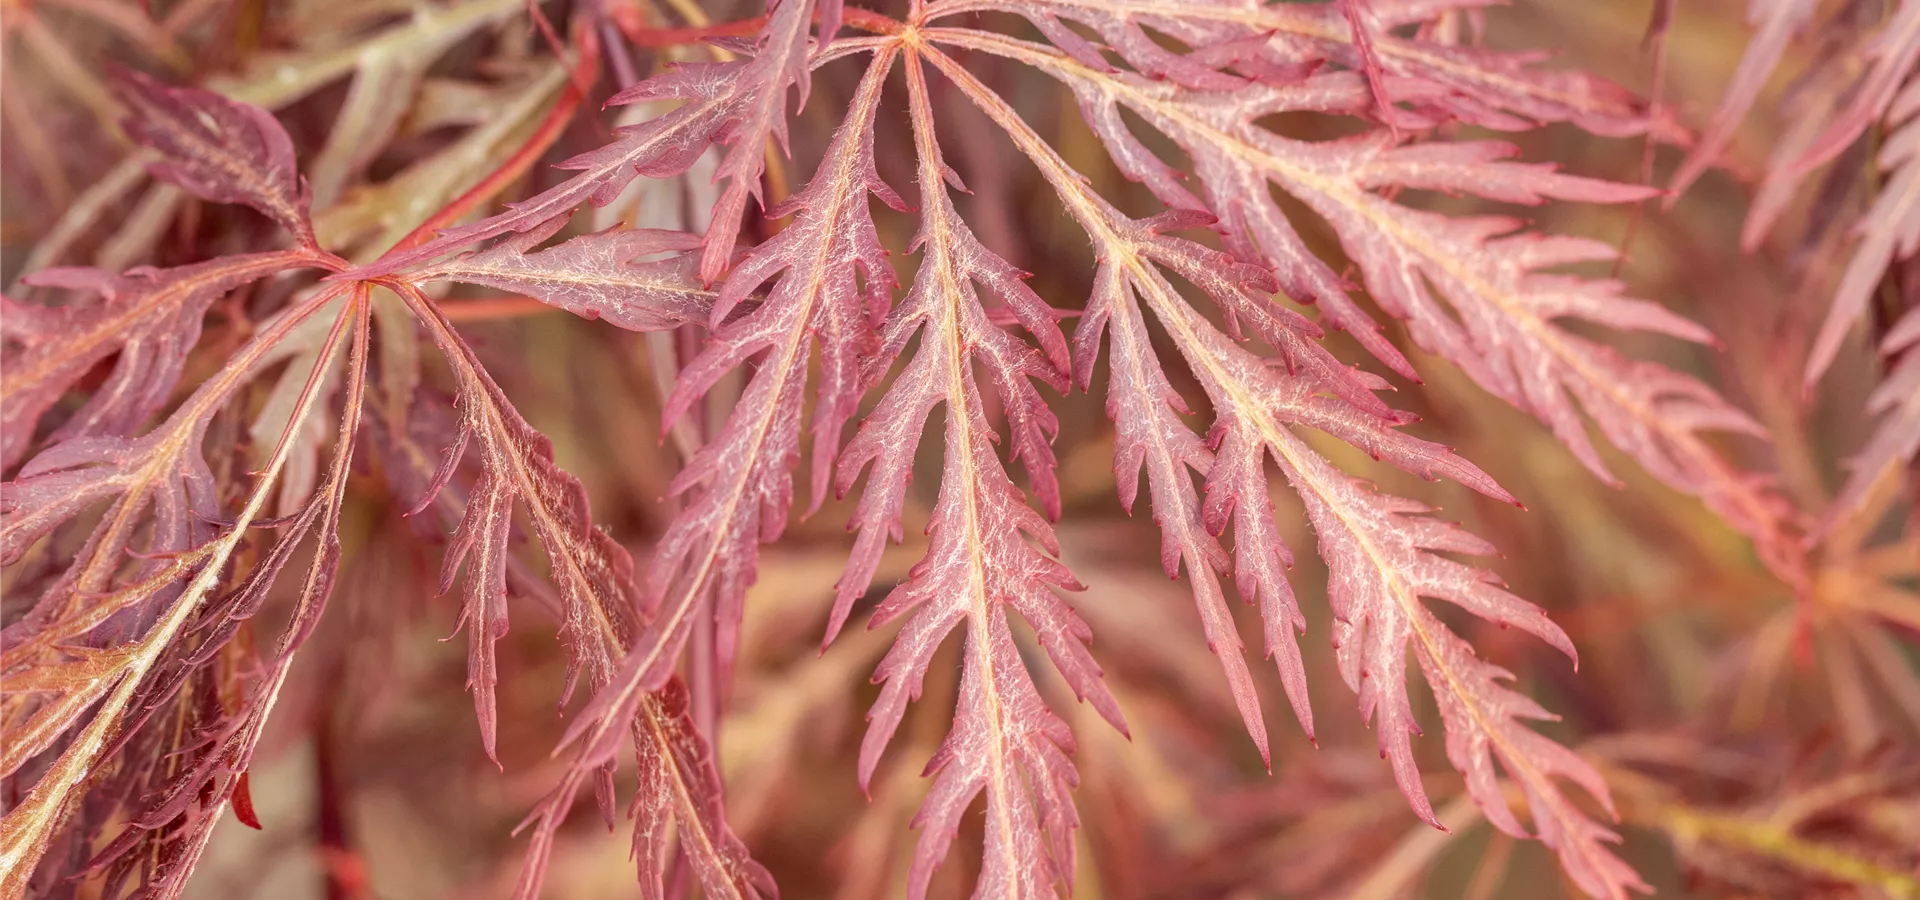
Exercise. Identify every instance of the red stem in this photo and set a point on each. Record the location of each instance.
(586, 70)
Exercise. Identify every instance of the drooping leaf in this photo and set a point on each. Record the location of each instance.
(175, 589)
(600, 615)
(173, 820)
(1381, 554)
(1775, 22)
(989, 551)
(1889, 231)
(594, 574)
(163, 494)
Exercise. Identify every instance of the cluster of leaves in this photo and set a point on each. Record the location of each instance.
(1878, 86)
(152, 536)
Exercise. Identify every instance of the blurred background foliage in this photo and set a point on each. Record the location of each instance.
(1758, 744)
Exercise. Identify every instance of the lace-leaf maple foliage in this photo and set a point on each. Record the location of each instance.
(129, 642)
(1876, 85)
(815, 316)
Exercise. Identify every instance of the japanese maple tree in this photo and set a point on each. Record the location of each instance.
(310, 354)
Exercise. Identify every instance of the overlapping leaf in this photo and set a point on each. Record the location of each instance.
(149, 317)
(172, 819)
(1381, 554)
(989, 551)
(830, 283)
(169, 595)
(1775, 22)
(114, 639)
(679, 782)
(1890, 58)
(166, 493)
(1864, 83)
(1135, 257)
(759, 114)
(1471, 289)
(162, 493)
(739, 103)
(1896, 439)
(1889, 231)
(599, 616)
(1889, 234)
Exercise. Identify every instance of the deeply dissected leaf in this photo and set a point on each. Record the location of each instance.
(60, 658)
(740, 103)
(740, 485)
(163, 493)
(599, 617)
(1889, 231)
(595, 276)
(1380, 555)
(1775, 22)
(989, 551)
(516, 466)
(1382, 561)
(172, 593)
(175, 819)
(1146, 409)
(219, 149)
(149, 317)
(679, 781)
(1471, 289)
(1282, 42)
